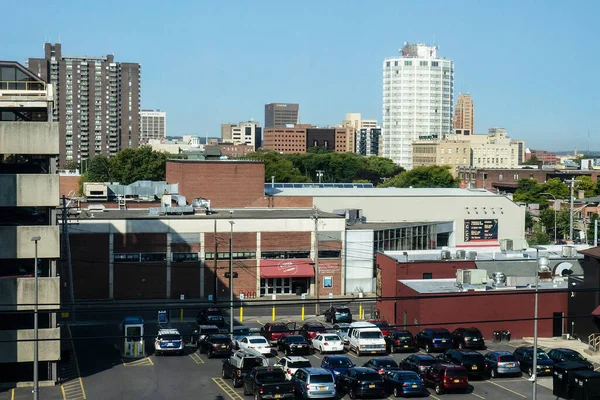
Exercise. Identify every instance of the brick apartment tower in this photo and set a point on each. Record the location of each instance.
(97, 103)
(278, 115)
(464, 115)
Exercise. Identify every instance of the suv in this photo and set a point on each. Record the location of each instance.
(240, 364)
(468, 338)
(501, 363)
(362, 382)
(524, 354)
(383, 326)
(418, 363)
(203, 332)
(210, 316)
(445, 377)
(290, 364)
(338, 314)
(168, 341)
(336, 364)
(293, 344)
(400, 341)
(314, 383)
(473, 361)
(565, 355)
(311, 329)
(434, 339)
(272, 331)
(215, 345)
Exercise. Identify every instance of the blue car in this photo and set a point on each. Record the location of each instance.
(337, 364)
(404, 383)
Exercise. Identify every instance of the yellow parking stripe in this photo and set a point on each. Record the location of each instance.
(505, 388)
(12, 394)
(229, 391)
(197, 359)
(476, 395)
(73, 389)
(436, 398)
(142, 362)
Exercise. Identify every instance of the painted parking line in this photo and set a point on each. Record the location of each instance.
(476, 395)
(259, 322)
(432, 396)
(197, 359)
(142, 362)
(229, 391)
(507, 389)
(72, 384)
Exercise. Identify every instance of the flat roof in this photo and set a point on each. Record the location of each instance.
(389, 225)
(382, 192)
(431, 286)
(216, 214)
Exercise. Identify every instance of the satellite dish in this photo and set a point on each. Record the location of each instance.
(563, 268)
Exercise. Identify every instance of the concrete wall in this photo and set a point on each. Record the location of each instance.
(359, 261)
(16, 241)
(19, 293)
(29, 190)
(17, 346)
(29, 137)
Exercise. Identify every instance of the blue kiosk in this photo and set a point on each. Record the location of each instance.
(132, 332)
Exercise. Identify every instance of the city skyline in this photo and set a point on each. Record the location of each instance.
(331, 72)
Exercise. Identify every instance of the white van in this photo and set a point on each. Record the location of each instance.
(366, 338)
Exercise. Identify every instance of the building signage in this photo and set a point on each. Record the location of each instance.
(329, 267)
(481, 229)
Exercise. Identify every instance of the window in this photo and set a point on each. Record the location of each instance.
(185, 257)
(285, 254)
(408, 63)
(516, 177)
(153, 257)
(423, 63)
(237, 255)
(127, 257)
(435, 64)
(500, 176)
(329, 253)
(427, 275)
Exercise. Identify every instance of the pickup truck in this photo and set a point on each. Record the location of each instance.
(276, 330)
(240, 364)
(268, 383)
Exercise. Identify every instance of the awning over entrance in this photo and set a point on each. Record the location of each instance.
(596, 312)
(288, 268)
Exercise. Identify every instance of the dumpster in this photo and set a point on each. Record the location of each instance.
(506, 336)
(563, 378)
(586, 385)
(497, 336)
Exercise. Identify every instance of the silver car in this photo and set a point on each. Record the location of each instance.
(342, 331)
(314, 383)
(499, 363)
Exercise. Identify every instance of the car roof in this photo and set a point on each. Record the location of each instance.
(424, 356)
(316, 371)
(501, 353)
(342, 325)
(363, 370)
(254, 337)
(168, 331)
(566, 350)
(339, 358)
(382, 359)
(295, 358)
(314, 324)
(219, 336)
(293, 336)
(451, 366)
(438, 330)
(466, 351)
(401, 331)
(270, 368)
(208, 327)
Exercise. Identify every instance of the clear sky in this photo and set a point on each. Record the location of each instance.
(531, 66)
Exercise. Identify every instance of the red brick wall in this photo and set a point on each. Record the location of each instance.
(140, 243)
(225, 183)
(140, 281)
(68, 183)
(293, 202)
(90, 258)
(330, 267)
(271, 241)
(242, 241)
(185, 279)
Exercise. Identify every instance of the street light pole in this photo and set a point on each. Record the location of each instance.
(231, 281)
(543, 261)
(553, 206)
(36, 384)
(315, 217)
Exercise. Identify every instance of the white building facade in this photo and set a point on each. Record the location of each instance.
(153, 124)
(418, 98)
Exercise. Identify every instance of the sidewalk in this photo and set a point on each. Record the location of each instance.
(554, 343)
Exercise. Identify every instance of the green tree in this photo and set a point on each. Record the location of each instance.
(143, 163)
(556, 187)
(539, 237)
(82, 179)
(424, 177)
(98, 169)
(586, 184)
(279, 166)
(533, 160)
(528, 221)
(528, 192)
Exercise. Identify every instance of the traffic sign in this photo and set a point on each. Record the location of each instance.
(331, 295)
(210, 297)
(241, 296)
(162, 317)
(303, 295)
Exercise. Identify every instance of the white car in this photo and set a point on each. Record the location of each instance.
(257, 343)
(328, 343)
(290, 365)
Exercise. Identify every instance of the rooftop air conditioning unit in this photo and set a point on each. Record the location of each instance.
(506, 245)
(445, 255)
(568, 251)
(461, 254)
(471, 276)
(498, 279)
(472, 255)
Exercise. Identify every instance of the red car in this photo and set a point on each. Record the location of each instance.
(311, 329)
(276, 330)
(383, 326)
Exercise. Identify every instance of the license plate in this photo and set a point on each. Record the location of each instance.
(322, 387)
(223, 346)
(456, 380)
(406, 347)
(371, 386)
(547, 370)
(169, 344)
(414, 386)
(373, 352)
(511, 365)
(277, 396)
(474, 367)
(443, 341)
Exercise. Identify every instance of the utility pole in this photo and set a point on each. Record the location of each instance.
(215, 289)
(36, 384)
(320, 174)
(315, 217)
(572, 182)
(231, 280)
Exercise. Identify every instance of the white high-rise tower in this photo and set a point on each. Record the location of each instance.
(418, 98)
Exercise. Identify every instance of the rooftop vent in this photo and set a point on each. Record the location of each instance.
(445, 255)
(461, 254)
(498, 279)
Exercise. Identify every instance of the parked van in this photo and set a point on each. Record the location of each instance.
(366, 338)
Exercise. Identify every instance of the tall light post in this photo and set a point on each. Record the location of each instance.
(541, 262)
(36, 384)
(231, 280)
(553, 206)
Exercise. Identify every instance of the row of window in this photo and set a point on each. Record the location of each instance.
(237, 255)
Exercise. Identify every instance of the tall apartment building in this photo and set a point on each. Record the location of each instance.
(29, 145)
(454, 153)
(247, 132)
(97, 102)
(464, 114)
(280, 115)
(153, 125)
(355, 120)
(300, 138)
(367, 141)
(418, 99)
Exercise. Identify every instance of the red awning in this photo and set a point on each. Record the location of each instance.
(596, 312)
(289, 268)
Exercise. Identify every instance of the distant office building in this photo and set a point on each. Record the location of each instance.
(454, 153)
(299, 138)
(97, 102)
(543, 156)
(153, 124)
(464, 115)
(494, 150)
(355, 120)
(280, 115)
(367, 141)
(249, 133)
(418, 90)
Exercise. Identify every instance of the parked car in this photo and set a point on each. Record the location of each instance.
(293, 344)
(337, 364)
(338, 314)
(203, 332)
(311, 329)
(240, 364)
(400, 341)
(446, 377)
(290, 365)
(168, 341)
(404, 383)
(499, 363)
(359, 381)
(328, 343)
(383, 326)
(468, 338)
(272, 331)
(268, 383)
(473, 361)
(366, 338)
(216, 345)
(524, 354)
(418, 363)
(238, 333)
(381, 365)
(342, 330)
(257, 343)
(434, 339)
(210, 316)
(563, 355)
(314, 383)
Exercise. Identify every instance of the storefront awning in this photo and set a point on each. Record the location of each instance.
(289, 268)
(596, 312)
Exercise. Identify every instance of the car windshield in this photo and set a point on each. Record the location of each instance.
(220, 340)
(574, 356)
(472, 334)
(369, 376)
(344, 329)
(402, 335)
(325, 378)
(455, 372)
(258, 340)
(340, 363)
(441, 335)
(295, 339)
(212, 313)
(169, 337)
(508, 358)
(542, 356)
(427, 361)
(332, 338)
(272, 376)
(251, 362)
(473, 359)
(241, 331)
(279, 328)
(316, 328)
(370, 335)
(210, 331)
(343, 311)
(381, 324)
(407, 376)
(299, 364)
(386, 363)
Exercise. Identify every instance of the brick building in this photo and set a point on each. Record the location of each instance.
(299, 138)
(543, 156)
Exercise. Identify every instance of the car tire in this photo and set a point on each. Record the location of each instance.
(493, 374)
(236, 382)
(530, 371)
(223, 374)
(256, 396)
(428, 348)
(287, 352)
(393, 349)
(209, 354)
(396, 393)
(461, 346)
(351, 393)
(439, 389)
(246, 393)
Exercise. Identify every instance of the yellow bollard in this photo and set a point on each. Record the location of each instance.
(302, 313)
(181, 315)
(360, 311)
(241, 314)
(273, 316)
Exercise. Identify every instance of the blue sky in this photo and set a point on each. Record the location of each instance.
(531, 66)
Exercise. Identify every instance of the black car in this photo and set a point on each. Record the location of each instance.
(468, 338)
(210, 316)
(293, 344)
(404, 383)
(215, 345)
(381, 365)
(400, 341)
(473, 361)
(563, 355)
(338, 314)
(434, 339)
(418, 363)
(524, 354)
(360, 381)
